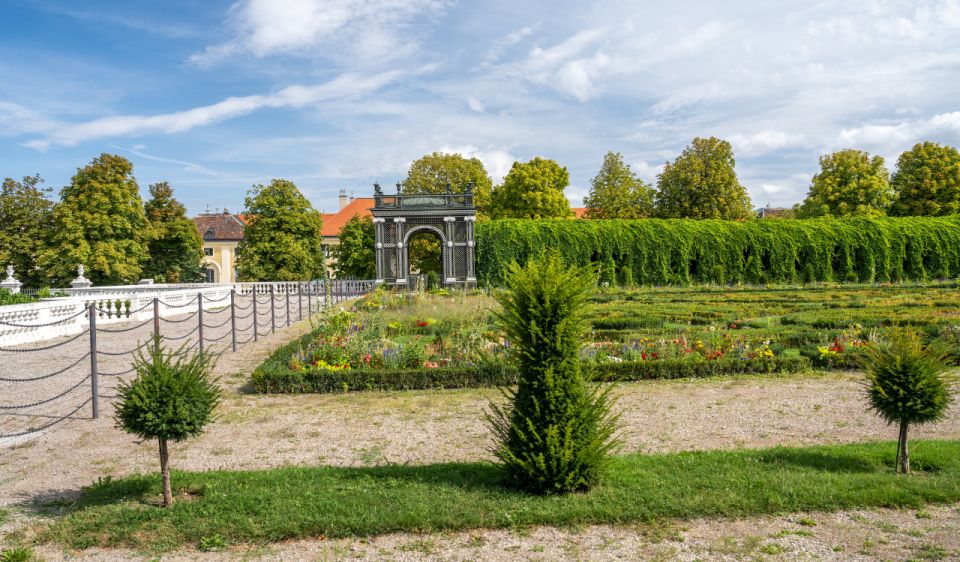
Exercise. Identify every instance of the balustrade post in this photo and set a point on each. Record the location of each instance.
(300, 298)
(94, 378)
(156, 317)
(233, 319)
(200, 319)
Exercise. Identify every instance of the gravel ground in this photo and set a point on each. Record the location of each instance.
(257, 431)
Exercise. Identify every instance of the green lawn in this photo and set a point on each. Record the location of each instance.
(284, 503)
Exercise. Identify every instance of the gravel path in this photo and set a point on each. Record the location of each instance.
(256, 431)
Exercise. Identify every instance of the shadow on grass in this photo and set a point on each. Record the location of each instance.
(833, 461)
(484, 477)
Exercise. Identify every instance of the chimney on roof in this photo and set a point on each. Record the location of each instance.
(343, 199)
(225, 211)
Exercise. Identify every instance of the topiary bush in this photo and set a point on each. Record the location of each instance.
(172, 398)
(909, 383)
(557, 433)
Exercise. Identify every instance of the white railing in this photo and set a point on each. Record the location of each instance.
(65, 316)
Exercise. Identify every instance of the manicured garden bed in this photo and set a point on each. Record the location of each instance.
(229, 507)
(405, 342)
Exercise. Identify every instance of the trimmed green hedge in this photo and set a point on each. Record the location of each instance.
(683, 251)
(275, 377)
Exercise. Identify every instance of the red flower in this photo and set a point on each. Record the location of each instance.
(422, 324)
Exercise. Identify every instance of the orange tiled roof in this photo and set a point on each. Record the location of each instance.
(219, 226)
(578, 212)
(333, 222)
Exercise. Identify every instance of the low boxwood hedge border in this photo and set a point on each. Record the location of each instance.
(273, 376)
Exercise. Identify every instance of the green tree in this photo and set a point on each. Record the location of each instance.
(702, 184)
(617, 193)
(175, 246)
(927, 181)
(26, 219)
(171, 398)
(99, 223)
(909, 383)
(850, 182)
(433, 172)
(355, 255)
(282, 240)
(557, 433)
(532, 190)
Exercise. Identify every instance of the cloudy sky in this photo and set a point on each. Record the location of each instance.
(215, 96)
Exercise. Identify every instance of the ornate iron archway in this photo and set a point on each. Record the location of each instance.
(449, 215)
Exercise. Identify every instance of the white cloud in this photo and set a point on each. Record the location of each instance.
(763, 142)
(475, 105)
(497, 161)
(500, 45)
(890, 137)
(365, 30)
(296, 96)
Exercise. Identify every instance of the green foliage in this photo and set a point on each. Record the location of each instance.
(355, 255)
(100, 223)
(532, 190)
(680, 252)
(850, 182)
(175, 246)
(557, 434)
(172, 397)
(425, 253)
(702, 184)
(299, 502)
(433, 172)
(6, 297)
(18, 554)
(927, 181)
(617, 193)
(909, 383)
(26, 215)
(283, 239)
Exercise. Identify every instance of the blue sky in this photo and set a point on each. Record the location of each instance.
(215, 96)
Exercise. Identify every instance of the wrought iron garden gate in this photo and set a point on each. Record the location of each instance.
(450, 216)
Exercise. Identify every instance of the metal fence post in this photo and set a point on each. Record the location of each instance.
(156, 316)
(300, 298)
(273, 311)
(94, 382)
(287, 291)
(200, 319)
(256, 329)
(309, 298)
(233, 319)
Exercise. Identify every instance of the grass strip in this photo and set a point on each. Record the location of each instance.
(298, 502)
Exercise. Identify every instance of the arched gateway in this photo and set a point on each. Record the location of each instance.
(450, 216)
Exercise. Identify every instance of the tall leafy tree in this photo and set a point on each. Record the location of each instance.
(927, 181)
(532, 190)
(282, 240)
(99, 223)
(26, 215)
(617, 193)
(175, 246)
(702, 184)
(355, 255)
(850, 182)
(432, 172)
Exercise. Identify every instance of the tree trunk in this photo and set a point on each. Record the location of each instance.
(904, 460)
(165, 471)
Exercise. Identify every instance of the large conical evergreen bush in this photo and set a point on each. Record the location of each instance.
(556, 434)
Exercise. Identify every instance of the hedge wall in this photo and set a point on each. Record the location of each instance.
(273, 377)
(681, 251)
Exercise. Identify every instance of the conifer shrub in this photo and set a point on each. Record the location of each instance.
(909, 383)
(172, 398)
(556, 434)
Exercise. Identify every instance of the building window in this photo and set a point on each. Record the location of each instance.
(208, 251)
(209, 276)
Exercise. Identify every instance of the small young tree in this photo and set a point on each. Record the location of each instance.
(908, 383)
(354, 255)
(172, 398)
(557, 434)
